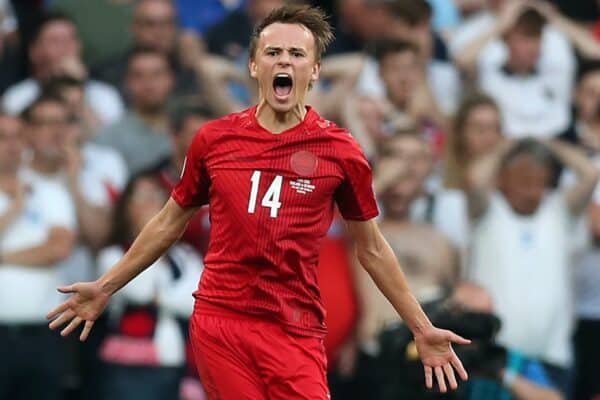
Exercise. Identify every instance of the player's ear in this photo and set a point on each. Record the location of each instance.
(316, 70)
(252, 67)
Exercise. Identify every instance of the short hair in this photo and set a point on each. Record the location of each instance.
(530, 147)
(412, 12)
(27, 114)
(313, 18)
(387, 47)
(46, 19)
(411, 132)
(56, 84)
(587, 67)
(530, 23)
(145, 51)
(181, 112)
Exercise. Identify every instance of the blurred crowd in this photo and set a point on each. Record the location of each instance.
(481, 119)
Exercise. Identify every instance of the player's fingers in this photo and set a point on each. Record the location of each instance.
(58, 310)
(439, 374)
(459, 367)
(72, 325)
(67, 289)
(450, 376)
(454, 338)
(86, 330)
(428, 377)
(66, 316)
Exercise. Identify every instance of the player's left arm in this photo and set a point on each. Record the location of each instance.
(433, 344)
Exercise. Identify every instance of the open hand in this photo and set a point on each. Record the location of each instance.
(85, 305)
(435, 350)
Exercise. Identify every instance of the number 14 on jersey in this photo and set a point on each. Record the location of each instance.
(271, 197)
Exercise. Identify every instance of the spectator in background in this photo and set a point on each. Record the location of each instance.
(532, 101)
(521, 377)
(587, 289)
(476, 132)
(522, 245)
(55, 49)
(410, 20)
(408, 100)
(586, 107)
(37, 223)
(58, 154)
(185, 121)
(446, 210)
(141, 135)
(145, 347)
(154, 27)
(556, 56)
(230, 37)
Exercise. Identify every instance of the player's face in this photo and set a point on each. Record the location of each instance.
(284, 65)
(524, 182)
(10, 144)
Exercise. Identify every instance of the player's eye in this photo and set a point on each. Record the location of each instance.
(298, 54)
(272, 53)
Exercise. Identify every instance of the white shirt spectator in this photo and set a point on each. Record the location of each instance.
(28, 293)
(537, 104)
(557, 57)
(446, 210)
(525, 263)
(102, 98)
(102, 178)
(171, 292)
(442, 77)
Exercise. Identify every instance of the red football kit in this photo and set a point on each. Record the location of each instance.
(258, 322)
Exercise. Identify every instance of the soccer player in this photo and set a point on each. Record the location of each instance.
(271, 175)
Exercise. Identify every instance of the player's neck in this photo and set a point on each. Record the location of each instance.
(276, 122)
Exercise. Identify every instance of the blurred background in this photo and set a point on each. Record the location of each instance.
(481, 119)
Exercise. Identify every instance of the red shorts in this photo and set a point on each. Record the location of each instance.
(247, 358)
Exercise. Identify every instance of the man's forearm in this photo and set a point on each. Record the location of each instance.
(387, 274)
(58, 247)
(157, 236)
(94, 222)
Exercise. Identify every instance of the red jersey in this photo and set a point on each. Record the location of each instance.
(271, 200)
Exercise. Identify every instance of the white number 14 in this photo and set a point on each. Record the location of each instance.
(271, 197)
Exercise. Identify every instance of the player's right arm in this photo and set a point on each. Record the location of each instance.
(88, 299)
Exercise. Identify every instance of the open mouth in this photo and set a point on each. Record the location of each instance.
(282, 84)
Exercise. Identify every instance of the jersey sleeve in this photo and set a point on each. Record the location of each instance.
(192, 189)
(355, 197)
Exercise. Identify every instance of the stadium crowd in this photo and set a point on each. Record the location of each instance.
(481, 119)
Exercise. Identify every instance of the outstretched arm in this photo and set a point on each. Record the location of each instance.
(89, 299)
(434, 345)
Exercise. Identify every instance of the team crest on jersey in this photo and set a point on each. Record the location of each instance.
(302, 186)
(304, 163)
